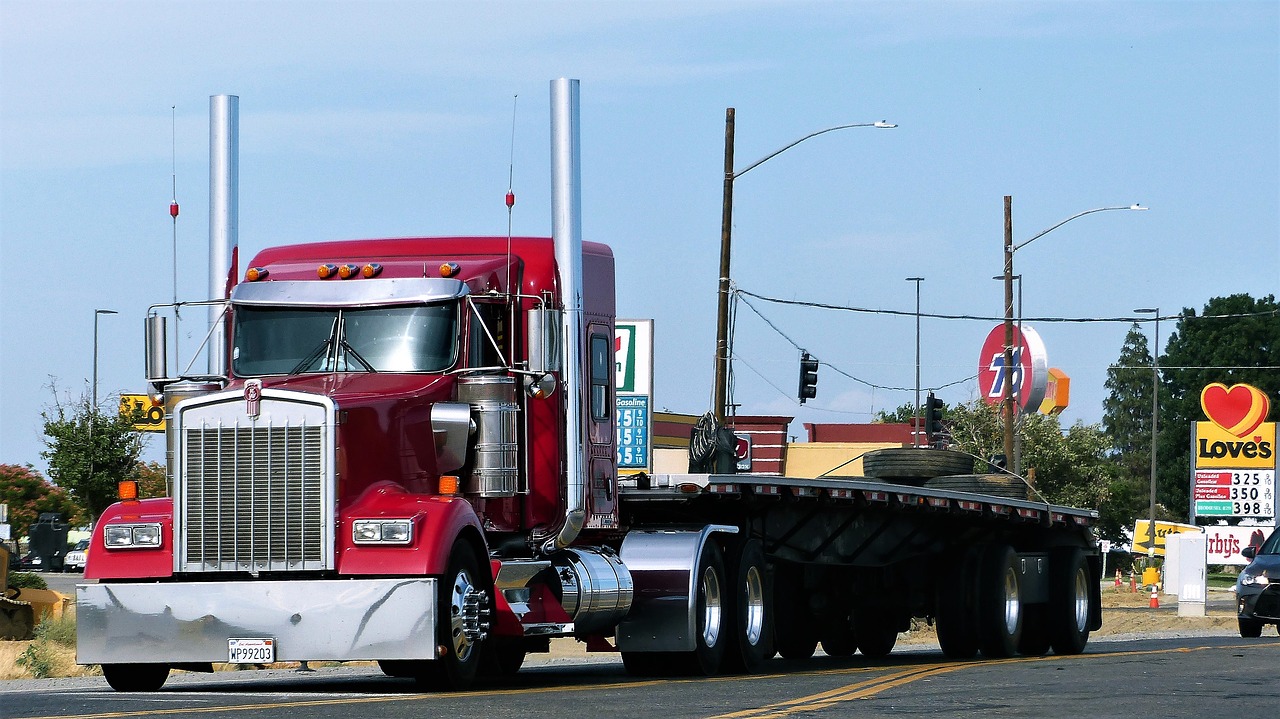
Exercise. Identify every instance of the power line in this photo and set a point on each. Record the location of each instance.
(938, 316)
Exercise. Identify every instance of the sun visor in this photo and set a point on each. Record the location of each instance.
(358, 293)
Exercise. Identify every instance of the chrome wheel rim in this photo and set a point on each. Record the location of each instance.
(1012, 605)
(1082, 599)
(755, 606)
(712, 608)
(462, 591)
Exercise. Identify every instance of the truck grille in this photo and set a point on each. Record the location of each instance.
(253, 494)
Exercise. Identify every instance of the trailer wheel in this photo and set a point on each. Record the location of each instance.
(751, 610)
(1069, 581)
(135, 677)
(1035, 639)
(912, 465)
(795, 634)
(956, 610)
(838, 637)
(462, 608)
(876, 631)
(999, 602)
(1249, 628)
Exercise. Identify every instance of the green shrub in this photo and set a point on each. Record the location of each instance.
(37, 659)
(27, 580)
(61, 630)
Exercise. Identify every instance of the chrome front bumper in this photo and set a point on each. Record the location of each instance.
(310, 620)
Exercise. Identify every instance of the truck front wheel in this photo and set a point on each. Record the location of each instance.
(462, 613)
(135, 677)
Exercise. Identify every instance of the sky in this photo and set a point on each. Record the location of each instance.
(383, 119)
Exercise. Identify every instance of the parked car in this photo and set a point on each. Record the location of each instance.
(74, 561)
(1258, 587)
(31, 562)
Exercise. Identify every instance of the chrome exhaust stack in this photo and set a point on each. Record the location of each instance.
(224, 219)
(566, 230)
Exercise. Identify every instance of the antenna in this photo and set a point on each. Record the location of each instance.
(173, 213)
(511, 202)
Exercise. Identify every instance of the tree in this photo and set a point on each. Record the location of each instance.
(1070, 468)
(1126, 421)
(28, 495)
(1235, 340)
(153, 480)
(90, 452)
(904, 414)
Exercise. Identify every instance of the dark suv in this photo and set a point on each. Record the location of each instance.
(1258, 587)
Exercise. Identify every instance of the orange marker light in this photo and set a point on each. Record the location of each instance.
(449, 269)
(448, 484)
(324, 272)
(127, 490)
(346, 272)
(256, 273)
(373, 269)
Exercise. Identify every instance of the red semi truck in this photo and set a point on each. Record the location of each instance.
(408, 456)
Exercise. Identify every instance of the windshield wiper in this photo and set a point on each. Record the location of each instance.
(318, 352)
(351, 351)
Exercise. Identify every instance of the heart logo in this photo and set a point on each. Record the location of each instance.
(1238, 409)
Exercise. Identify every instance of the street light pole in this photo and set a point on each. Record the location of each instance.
(721, 381)
(915, 417)
(1155, 422)
(96, 314)
(1009, 249)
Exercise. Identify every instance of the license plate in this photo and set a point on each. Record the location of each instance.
(251, 651)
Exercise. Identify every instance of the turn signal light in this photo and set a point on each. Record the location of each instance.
(449, 269)
(256, 273)
(346, 272)
(373, 269)
(448, 484)
(324, 272)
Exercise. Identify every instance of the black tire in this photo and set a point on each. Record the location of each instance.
(795, 632)
(876, 632)
(650, 664)
(838, 638)
(750, 610)
(996, 485)
(1249, 628)
(711, 615)
(957, 619)
(911, 465)
(399, 668)
(135, 677)
(1000, 615)
(1069, 583)
(462, 582)
(503, 657)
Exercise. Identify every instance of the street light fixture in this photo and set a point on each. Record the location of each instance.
(915, 417)
(1155, 420)
(1009, 249)
(720, 398)
(96, 314)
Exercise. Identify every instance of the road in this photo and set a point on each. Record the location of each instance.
(1200, 676)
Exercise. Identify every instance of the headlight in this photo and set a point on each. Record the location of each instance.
(131, 536)
(1253, 580)
(382, 531)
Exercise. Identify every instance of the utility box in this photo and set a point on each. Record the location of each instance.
(1186, 571)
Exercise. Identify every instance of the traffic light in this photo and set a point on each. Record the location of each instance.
(934, 430)
(808, 378)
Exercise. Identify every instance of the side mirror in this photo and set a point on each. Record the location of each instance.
(1249, 552)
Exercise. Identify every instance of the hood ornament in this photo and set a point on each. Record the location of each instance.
(253, 398)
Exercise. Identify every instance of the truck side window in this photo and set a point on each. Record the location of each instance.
(601, 369)
(481, 352)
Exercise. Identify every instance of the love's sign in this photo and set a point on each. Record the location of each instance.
(1238, 409)
(1234, 454)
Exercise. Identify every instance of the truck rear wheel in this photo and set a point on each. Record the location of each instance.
(795, 635)
(999, 602)
(461, 610)
(711, 618)
(876, 630)
(135, 677)
(1069, 582)
(752, 612)
(956, 610)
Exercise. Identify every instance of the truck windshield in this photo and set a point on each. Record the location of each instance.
(274, 341)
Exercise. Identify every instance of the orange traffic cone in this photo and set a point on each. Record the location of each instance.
(1118, 580)
(1155, 597)
(1133, 583)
